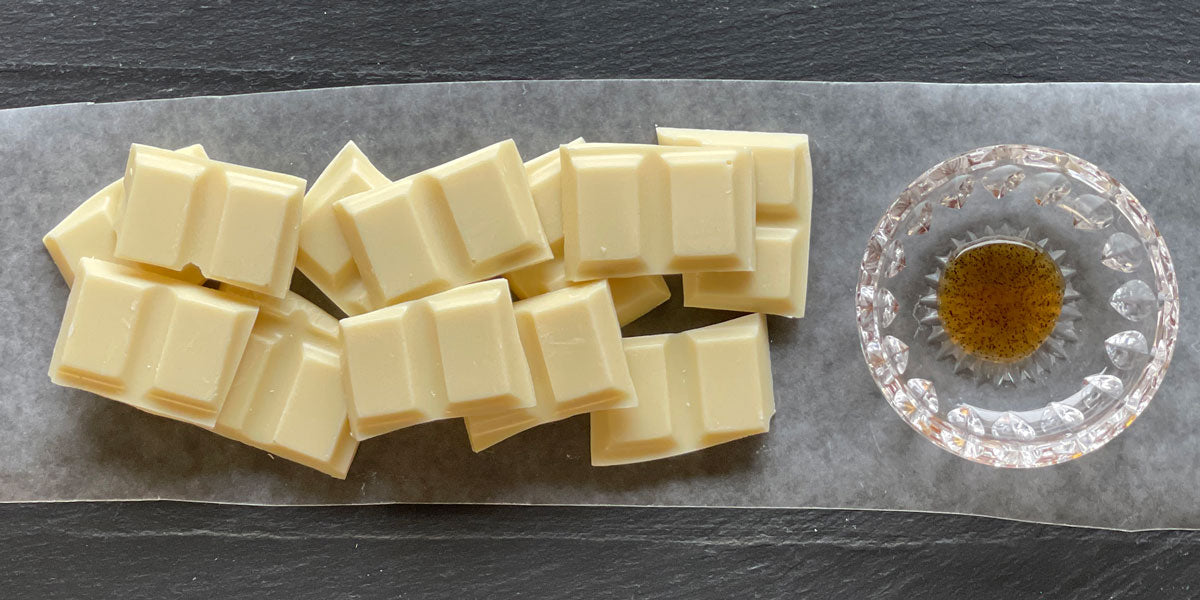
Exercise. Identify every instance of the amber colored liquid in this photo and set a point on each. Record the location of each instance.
(999, 300)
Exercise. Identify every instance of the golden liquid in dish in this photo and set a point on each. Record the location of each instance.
(1000, 299)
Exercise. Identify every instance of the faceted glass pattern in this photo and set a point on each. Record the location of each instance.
(1109, 350)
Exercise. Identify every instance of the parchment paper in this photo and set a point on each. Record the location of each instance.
(833, 443)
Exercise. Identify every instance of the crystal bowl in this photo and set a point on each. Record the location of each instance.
(1110, 343)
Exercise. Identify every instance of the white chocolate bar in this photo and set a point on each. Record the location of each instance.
(632, 296)
(572, 341)
(238, 225)
(634, 209)
(324, 255)
(264, 371)
(453, 354)
(467, 220)
(90, 231)
(783, 173)
(288, 397)
(695, 389)
(167, 347)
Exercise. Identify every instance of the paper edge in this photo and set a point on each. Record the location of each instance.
(601, 506)
(613, 80)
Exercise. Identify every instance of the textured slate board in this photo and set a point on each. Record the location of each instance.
(72, 50)
(53, 52)
(165, 549)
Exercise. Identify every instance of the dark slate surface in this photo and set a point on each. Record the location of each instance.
(161, 549)
(72, 51)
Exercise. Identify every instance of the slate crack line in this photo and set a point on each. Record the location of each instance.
(727, 542)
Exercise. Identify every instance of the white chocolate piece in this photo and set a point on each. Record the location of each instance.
(90, 231)
(264, 371)
(467, 220)
(237, 224)
(167, 347)
(695, 390)
(634, 209)
(783, 174)
(288, 397)
(632, 296)
(572, 341)
(454, 354)
(324, 255)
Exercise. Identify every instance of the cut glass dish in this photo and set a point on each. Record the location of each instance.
(1109, 347)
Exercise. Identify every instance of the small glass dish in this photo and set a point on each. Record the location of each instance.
(1111, 342)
